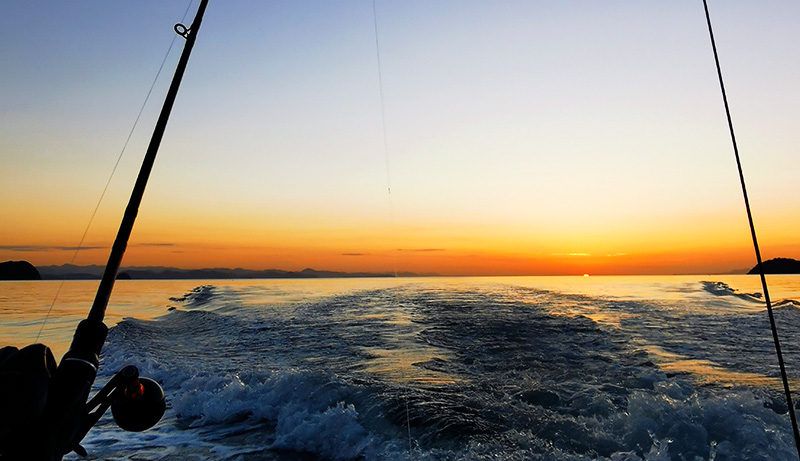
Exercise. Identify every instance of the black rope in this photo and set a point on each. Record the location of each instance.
(772, 325)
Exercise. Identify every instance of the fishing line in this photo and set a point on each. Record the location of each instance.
(408, 420)
(113, 170)
(385, 139)
(391, 204)
(774, 328)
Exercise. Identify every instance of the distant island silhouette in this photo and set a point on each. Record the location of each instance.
(23, 270)
(778, 266)
(18, 270)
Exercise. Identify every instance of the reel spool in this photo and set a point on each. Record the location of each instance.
(140, 405)
(137, 403)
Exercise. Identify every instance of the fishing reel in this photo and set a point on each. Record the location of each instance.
(137, 403)
(45, 414)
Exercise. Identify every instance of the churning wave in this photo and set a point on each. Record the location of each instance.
(722, 289)
(416, 372)
(197, 296)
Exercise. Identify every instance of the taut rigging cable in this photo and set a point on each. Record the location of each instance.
(774, 328)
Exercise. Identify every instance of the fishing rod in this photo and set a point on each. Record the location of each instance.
(775, 340)
(45, 409)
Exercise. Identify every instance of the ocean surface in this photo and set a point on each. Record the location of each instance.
(525, 368)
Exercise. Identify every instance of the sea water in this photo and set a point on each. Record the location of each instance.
(574, 368)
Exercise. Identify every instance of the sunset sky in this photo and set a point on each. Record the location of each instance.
(522, 137)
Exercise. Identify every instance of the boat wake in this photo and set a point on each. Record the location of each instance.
(489, 373)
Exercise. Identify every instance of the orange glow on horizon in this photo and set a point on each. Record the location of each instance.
(291, 240)
(440, 261)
